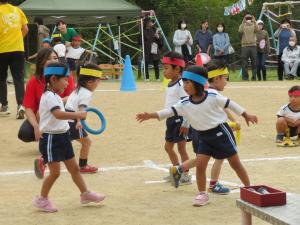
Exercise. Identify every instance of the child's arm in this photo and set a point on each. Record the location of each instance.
(78, 123)
(62, 115)
(146, 116)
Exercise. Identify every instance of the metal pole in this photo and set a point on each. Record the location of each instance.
(162, 33)
(143, 48)
(97, 36)
(271, 30)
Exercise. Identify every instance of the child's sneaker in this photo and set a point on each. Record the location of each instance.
(89, 196)
(39, 167)
(20, 112)
(279, 138)
(4, 110)
(88, 169)
(44, 204)
(201, 199)
(185, 179)
(219, 189)
(174, 176)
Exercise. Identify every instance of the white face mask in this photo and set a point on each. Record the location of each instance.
(292, 43)
(220, 29)
(248, 21)
(183, 26)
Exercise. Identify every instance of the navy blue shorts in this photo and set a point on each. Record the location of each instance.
(56, 147)
(72, 63)
(218, 142)
(76, 134)
(293, 131)
(173, 129)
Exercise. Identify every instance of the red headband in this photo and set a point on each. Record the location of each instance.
(294, 93)
(176, 62)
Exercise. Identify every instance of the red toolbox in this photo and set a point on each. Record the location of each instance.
(269, 197)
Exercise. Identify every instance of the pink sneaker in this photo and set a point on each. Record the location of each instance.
(201, 199)
(90, 196)
(44, 204)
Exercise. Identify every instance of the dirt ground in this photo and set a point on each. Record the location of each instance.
(133, 163)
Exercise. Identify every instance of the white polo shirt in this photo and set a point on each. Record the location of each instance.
(48, 123)
(174, 93)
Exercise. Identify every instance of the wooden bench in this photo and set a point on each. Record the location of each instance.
(288, 214)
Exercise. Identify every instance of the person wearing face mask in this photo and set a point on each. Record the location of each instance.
(183, 41)
(283, 33)
(263, 49)
(221, 44)
(291, 58)
(248, 30)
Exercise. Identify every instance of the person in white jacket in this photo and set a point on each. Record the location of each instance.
(291, 58)
(183, 41)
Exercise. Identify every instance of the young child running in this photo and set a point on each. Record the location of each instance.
(74, 52)
(177, 129)
(212, 135)
(80, 98)
(59, 48)
(289, 116)
(55, 144)
(217, 79)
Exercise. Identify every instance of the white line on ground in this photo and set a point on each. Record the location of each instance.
(150, 164)
(160, 89)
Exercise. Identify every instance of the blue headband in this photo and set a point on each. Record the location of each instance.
(194, 77)
(59, 71)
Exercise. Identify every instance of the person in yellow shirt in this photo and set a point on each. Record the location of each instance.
(13, 28)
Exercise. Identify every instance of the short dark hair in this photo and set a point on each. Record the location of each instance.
(38, 20)
(83, 79)
(60, 21)
(285, 20)
(295, 88)
(180, 22)
(56, 64)
(174, 55)
(201, 71)
(4, 1)
(204, 21)
(215, 64)
(223, 25)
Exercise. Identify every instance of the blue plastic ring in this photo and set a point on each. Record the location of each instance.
(101, 117)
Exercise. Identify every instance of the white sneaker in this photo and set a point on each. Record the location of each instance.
(20, 112)
(185, 179)
(4, 110)
(147, 80)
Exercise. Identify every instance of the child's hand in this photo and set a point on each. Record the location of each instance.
(184, 131)
(142, 117)
(238, 125)
(249, 118)
(37, 134)
(78, 125)
(81, 114)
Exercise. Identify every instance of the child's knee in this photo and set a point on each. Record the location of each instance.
(54, 174)
(281, 121)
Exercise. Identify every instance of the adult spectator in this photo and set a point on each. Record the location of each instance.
(66, 33)
(291, 58)
(248, 30)
(13, 28)
(43, 31)
(152, 44)
(283, 33)
(35, 87)
(263, 49)
(221, 43)
(204, 38)
(183, 41)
